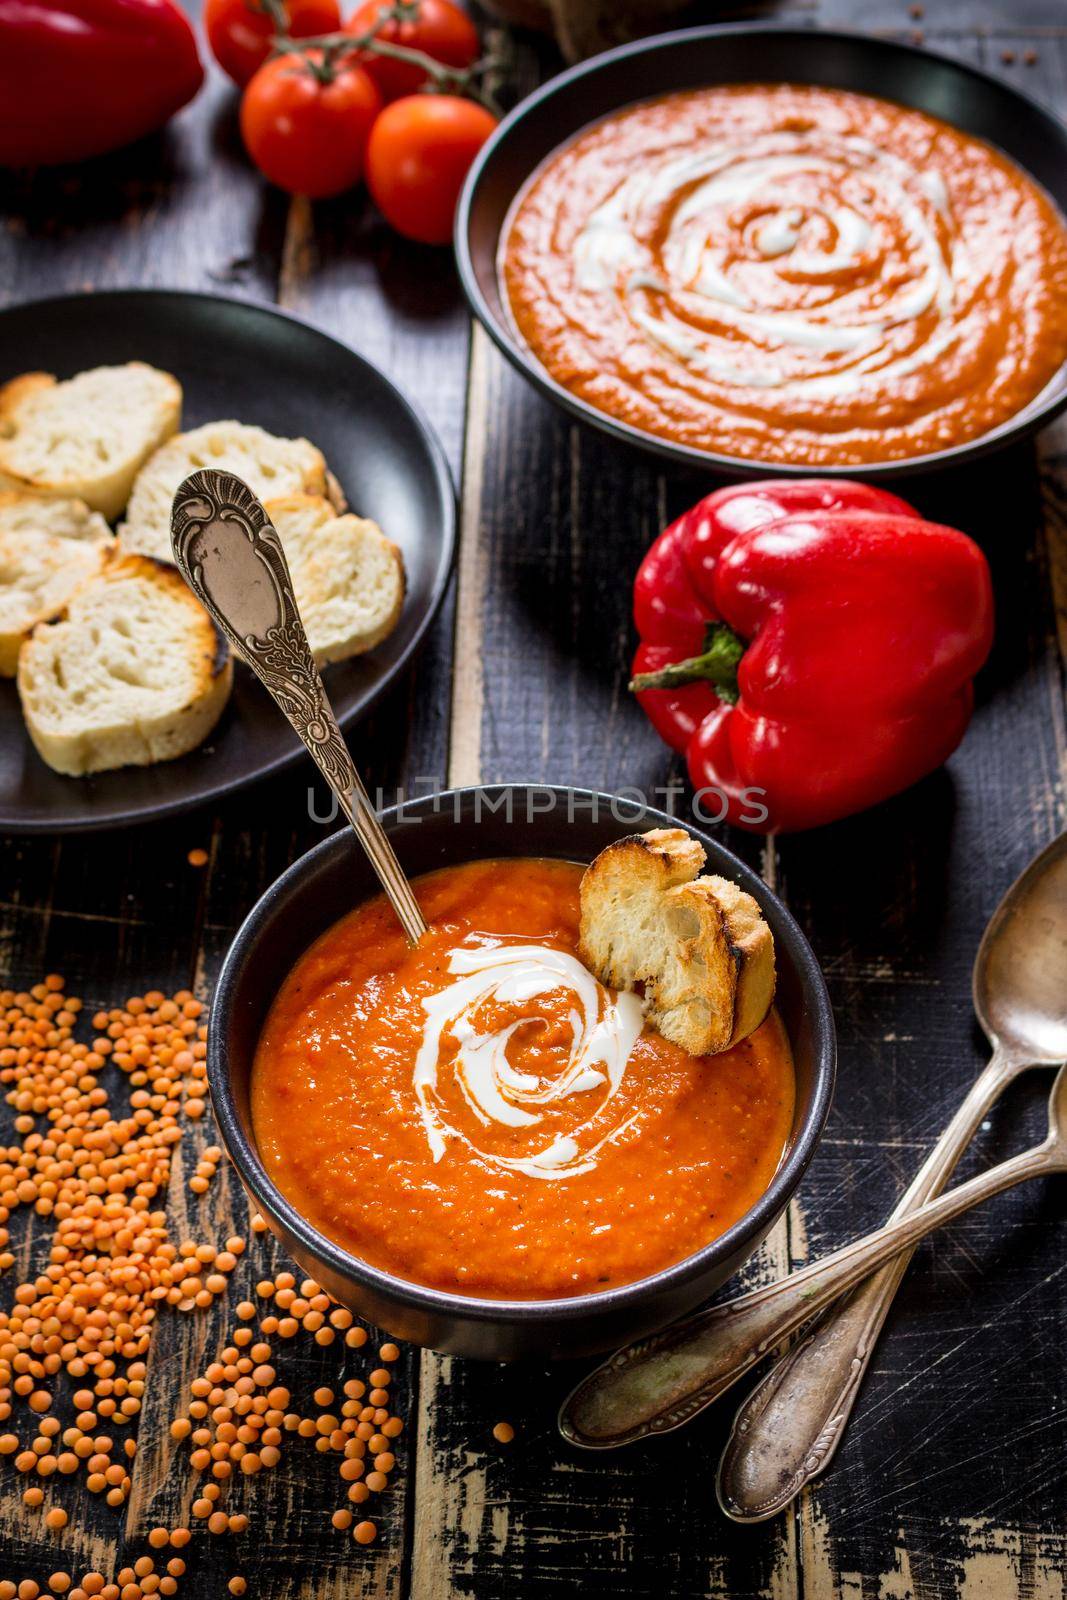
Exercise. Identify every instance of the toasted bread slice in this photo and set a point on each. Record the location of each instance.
(88, 437)
(133, 673)
(38, 574)
(270, 466)
(21, 512)
(347, 576)
(698, 945)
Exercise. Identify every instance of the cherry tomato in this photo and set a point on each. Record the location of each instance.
(440, 30)
(307, 136)
(240, 31)
(418, 155)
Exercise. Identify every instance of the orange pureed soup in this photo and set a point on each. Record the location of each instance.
(480, 1115)
(790, 274)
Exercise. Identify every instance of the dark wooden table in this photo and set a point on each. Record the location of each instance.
(951, 1480)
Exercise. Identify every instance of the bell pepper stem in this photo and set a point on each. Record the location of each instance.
(717, 665)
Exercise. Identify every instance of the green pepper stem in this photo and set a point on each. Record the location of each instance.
(717, 665)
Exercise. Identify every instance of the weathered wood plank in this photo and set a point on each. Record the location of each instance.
(543, 648)
(927, 1471)
(129, 913)
(543, 699)
(949, 1482)
(342, 272)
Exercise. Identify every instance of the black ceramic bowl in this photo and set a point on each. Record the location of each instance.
(441, 830)
(696, 58)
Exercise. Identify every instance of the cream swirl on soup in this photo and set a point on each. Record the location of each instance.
(493, 995)
(831, 258)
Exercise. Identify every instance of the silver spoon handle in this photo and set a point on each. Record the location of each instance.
(788, 1428)
(232, 558)
(661, 1382)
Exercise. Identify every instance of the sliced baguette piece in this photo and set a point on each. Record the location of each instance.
(133, 673)
(22, 513)
(698, 945)
(86, 437)
(271, 467)
(347, 576)
(38, 574)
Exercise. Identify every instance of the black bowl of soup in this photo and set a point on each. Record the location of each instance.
(436, 1193)
(773, 249)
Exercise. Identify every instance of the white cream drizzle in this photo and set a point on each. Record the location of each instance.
(809, 194)
(604, 1028)
(781, 233)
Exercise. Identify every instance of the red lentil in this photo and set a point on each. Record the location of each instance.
(113, 1265)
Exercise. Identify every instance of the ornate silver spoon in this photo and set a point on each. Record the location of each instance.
(786, 1432)
(231, 557)
(663, 1381)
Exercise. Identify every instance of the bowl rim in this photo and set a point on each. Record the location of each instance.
(571, 1308)
(1036, 414)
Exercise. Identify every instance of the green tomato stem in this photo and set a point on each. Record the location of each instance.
(335, 47)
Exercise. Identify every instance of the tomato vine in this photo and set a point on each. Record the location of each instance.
(323, 52)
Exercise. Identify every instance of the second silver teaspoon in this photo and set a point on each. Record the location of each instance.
(786, 1432)
(230, 555)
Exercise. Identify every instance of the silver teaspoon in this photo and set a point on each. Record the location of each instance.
(661, 1382)
(788, 1429)
(231, 557)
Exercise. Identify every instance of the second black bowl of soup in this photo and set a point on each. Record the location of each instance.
(778, 250)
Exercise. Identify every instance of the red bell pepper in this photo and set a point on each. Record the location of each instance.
(88, 76)
(809, 646)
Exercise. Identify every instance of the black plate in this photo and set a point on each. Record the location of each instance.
(260, 366)
(696, 58)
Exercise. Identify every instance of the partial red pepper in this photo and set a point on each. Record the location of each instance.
(809, 645)
(89, 76)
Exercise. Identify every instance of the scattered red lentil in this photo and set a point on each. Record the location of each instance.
(503, 1433)
(112, 1265)
(197, 857)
